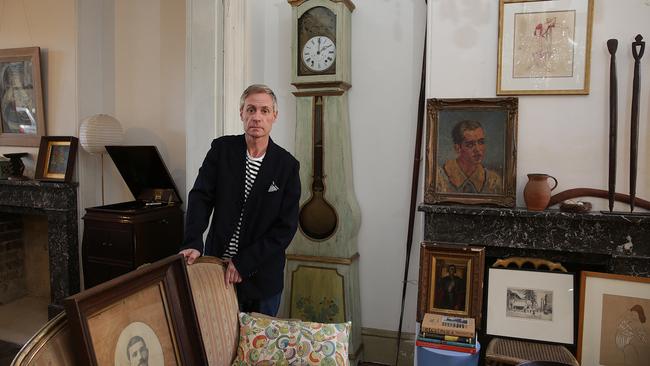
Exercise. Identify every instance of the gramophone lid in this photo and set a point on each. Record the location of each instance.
(144, 172)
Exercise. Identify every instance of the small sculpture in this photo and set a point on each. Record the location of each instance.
(17, 165)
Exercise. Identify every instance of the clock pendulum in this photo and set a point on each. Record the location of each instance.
(322, 271)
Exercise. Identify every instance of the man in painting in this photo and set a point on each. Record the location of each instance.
(632, 338)
(451, 291)
(466, 173)
(251, 187)
(137, 352)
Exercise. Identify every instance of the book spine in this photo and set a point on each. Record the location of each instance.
(451, 332)
(445, 347)
(450, 343)
(447, 337)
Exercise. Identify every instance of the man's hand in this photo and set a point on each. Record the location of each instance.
(190, 255)
(232, 274)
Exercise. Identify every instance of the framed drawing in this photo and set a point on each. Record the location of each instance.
(471, 151)
(531, 304)
(143, 317)
(544, 46)
(21, 97)
(614, 320)
(451, 280)
(56, 158)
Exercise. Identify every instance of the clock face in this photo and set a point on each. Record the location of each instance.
(319, 53)
(315, 25)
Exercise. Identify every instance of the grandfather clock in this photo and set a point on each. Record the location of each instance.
(322, 276)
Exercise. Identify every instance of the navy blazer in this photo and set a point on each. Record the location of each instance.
(270, 216)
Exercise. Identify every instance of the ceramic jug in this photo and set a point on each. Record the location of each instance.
(537, 192)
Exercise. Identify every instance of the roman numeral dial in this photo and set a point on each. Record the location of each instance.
(319, 53)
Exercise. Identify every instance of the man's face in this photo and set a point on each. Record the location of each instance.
(472, 149)
(452, 270)
(138, 354)
(258, 115)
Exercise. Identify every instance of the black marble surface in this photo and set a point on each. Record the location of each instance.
(620, 243)
(57, 201)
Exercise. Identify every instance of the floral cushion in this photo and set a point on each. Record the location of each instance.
(271, 341)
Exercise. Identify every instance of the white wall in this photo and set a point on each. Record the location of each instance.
(387, 41)
(565, 136)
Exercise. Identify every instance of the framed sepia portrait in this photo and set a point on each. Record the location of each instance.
(451, 280)
(544, 46)
(145, 317)
(614, 319)
(531, 305)
(471, 151)
(22, 118)
(56, 158)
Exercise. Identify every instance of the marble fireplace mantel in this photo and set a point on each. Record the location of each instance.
(58, 202)
(619, 243)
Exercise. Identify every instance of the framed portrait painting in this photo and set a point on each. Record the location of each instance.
(56, 158)
(534, 305)
(21, 97)
(614, 320)
(451, 280)
(143, 317)
(471, 151)
(544, 46)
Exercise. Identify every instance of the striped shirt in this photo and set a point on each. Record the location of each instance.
(253, 166)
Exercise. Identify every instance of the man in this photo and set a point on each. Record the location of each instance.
(466, 173)
(137, 352)
(251, 187)
(451, 291)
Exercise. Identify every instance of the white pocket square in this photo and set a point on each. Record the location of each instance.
(273, 187)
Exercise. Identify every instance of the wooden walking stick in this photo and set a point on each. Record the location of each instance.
(612, 44)
(638, 46)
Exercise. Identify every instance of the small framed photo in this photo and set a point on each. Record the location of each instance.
(614, 319)
(56, 158)
(544, 46)
(531, 304)
(451, 280)
(471, 151)
(22, 115)
(145, 317)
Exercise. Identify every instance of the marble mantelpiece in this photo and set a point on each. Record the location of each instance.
(620, 243)
(58, 202)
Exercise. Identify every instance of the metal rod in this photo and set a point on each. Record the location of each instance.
(638, 46)
(612, 45)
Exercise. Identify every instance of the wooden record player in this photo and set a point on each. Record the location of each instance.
(120, 237)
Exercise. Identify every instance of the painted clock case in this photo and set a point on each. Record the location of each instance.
(322, 274)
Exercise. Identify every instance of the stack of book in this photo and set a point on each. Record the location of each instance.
(451, 333)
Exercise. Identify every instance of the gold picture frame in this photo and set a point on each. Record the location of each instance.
(22, 116)
(482, 132)
(148, 313)
(56, 158)
(614, 323)
(544, 47)
(451, 280)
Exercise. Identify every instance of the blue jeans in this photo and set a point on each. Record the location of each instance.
(268, 306)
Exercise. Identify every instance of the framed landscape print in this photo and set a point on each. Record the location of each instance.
(56, 158)
(614, 320)
(544, 46)
(143, 317)
(471, 151)
(451, 280)
(531, 304)
(21, 97)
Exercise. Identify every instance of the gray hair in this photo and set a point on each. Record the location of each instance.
(460, 128)
(255, 89)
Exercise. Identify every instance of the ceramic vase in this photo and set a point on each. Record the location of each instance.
(537, 192)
